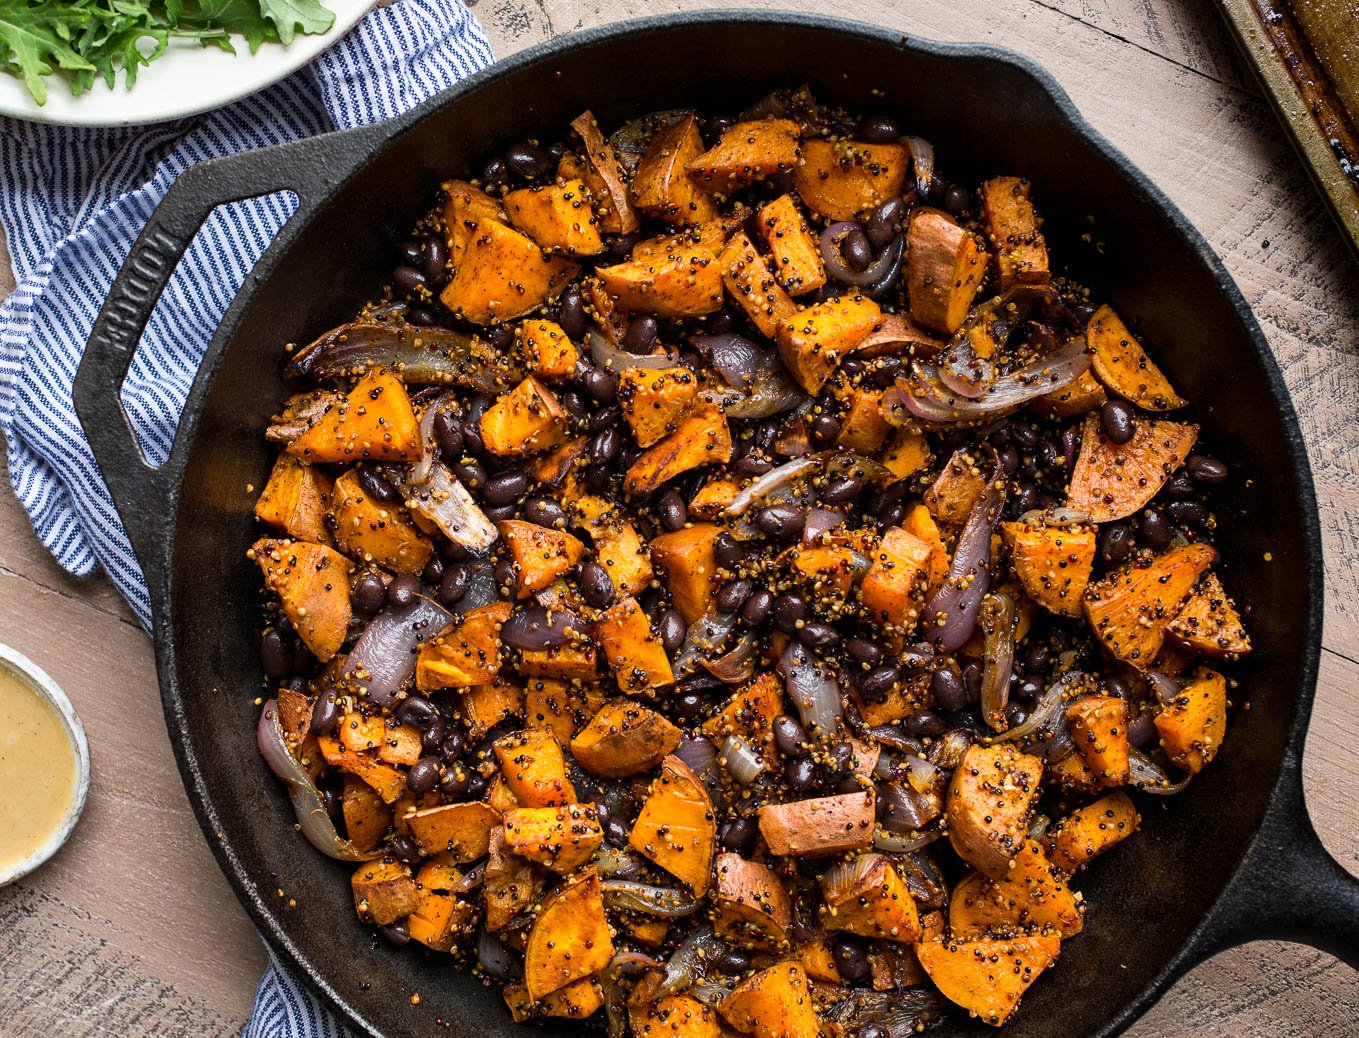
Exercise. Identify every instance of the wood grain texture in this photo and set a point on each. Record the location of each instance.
(132, 930)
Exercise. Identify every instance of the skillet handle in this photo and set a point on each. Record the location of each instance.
(142, 492)
(1288, 886)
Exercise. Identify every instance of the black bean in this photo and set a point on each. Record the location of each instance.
(1188, 513)
(782, 521)
(596, 585)
(673, 630)
(641, 334)
(1015, 713)
(453, 745)
(325, 715)
(852, 366)
(733, 960)
(840, 760)
(738, 835)
(885, 222)
(494, 172)
(436, 258)
(478, 785)
(1115, 541)
(789, 610)
(924, 723)
(368, 594)
(1036, 658)
(1117, 418)
(892, 514)
(888, 371)
(790, 738)
(574, 404)
(605, 446)
(499, 513)
(1153, 530)
(1205, 469)
(472, 474)
(433, 572)
(600, 384)
(753, 465)
(544, 511)
(916, 657)
(471, 437)
(733, 595)
(689, 705)
(528, 160)
(423, 776)
(504, 574)
(411, 252)
(972, 678)
(818, 635)
(1180, 485)
(501, 336)
(408, 280)
(432, 737)
(856, 250)
(402, 590)
(800, 775)
(571, 315)
(276, 656)
(421, 316)
(448, 436)
(1025, 434)
(376, 485)
(397, 934)
(721, 322)
(877, 129)
(756, 610)
(823, 431)
(418, 711)
(957, 200)
(606, 417)
(453, 586)
(880, 681)
(673, 514)
(728, 551)
(850, 961)
(505, 487)
(406, 849)
(456, 782)
(949, 691)
(842, 489)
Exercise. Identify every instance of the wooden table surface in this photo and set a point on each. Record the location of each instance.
(132, 930)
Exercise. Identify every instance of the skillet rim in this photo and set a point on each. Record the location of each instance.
(1200, 942)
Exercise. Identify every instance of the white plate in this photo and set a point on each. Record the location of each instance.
(185, 80)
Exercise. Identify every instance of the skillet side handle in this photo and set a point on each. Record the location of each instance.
(142, 492)
(1288, 886)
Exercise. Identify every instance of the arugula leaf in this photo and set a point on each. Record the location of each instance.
(33, 38)
(239, 17)
(288, 15)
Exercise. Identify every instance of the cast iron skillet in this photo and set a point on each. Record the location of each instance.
(1233, 859)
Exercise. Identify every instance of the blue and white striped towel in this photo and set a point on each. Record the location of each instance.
(72, 202)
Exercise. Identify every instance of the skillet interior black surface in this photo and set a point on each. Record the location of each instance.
(985, 114)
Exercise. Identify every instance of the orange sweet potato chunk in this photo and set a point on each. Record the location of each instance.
(1085, 394)
(797, 256)
(540, 554)
(463, 831)
(673, 1015)
(578, 1000)
(466, 205)
(944, 268)
(747, 152)
(821, 826)
(624, 738)
(366, 817)
(1193, 725)
(636, 655)
(893, 587)
(485, 706)
(919, 522)
(1012, 225)
(526, 420)
(908, 453)
(1091, 830)
(702, 438)
(503, 274)
(863, 429)
(840, 179)
(685, 281)
(296, 500)
(570, 938)
(605, 178)
(814, 339)
(377, 531)
(659, 184)
(774, 1003)
(619, 549)
(375, 421)
(676, 827)
(549, 351)
(558, 217)
(1112, 481)
(749, 714)
(312, 584)
(441, 919)
(1122, 365)
(1208, 621)
(1032, 896)
(751, 281)
(465, 653)
(989, 799)
(534, 768)
(1131, 607)
(688, 560)
(384, 892)
(987, 977)
(654, 400)
(392, 742)
(562, 838)
(753, 908)
(1052, 562)
(870, 899)
(562, 707)
(1099, 728)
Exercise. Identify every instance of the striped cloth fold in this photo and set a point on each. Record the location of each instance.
(72, 201)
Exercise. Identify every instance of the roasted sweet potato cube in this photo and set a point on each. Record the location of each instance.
(460, 830)
(1085, 394)
(676, 827)
(774, 1003)
(1193, 725)
(1071, 773)
(465, 653)
(384, 892)
(392, 742)
(863, 429)
(690, 565)
(908, 453)
(904, 699)
(988, 805)
(708, 238)
(920, 522)
(817, 959)
(944, 268)
(1122, 365)
(605, 178)
(294, 717)
(558, 466)
(377, 531)
(1131, 607)
(868, 897)
(1112, 481)
(1052, 562)
(893, 587)
(441, 919)
(540, 554)
(485, 706)
(1091, 830)
(570, 662)
(814, 340)
(296, 500)
(797, 256)
(387, 781)
(827, 570)
(751, 281)
(753, 908)
(526, 420)
(676, 1015)
(570, 938)
(702, 438)
(576, 1001)
(636, 655)
(503, 274)
(559, 217)
(713, 498)
(562, 838)
(1099, 728)
(535, 769)
(654, 400)
(954, 491)
(749, 715)
(312, 584)
(619, 549)
(466, 205)
(1012, 225)
(565, 708)
(549, 351)
(987, 977)
(366, 817)
(840, 179)
(684, 282)
(821, 826)
(1032, 896)
(1208, 621)
(511, 883)
(747, 152)
(660, 186)
(375, 422)
(624, 738)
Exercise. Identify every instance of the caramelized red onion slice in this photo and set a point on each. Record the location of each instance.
(1047, 710)
(1060, 516)
(922, 163)
(630, 896)
(739, 662)
(698, 752)
(704, 639)
(444, 404)
(874, 278)
(383, 659)
(813, 690)
(759, 382)
(691, 961)
(444, 501)
(906, 810)
(775, 479)
(901, 1013)
(1149, 777)
(820, 520)
(312, 817)
(951, 615)
(741, 760)
(997, 618)
(422, 355)
(494, 958)
(612, 358)
(903, 843)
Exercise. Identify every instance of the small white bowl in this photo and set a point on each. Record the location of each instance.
(38, 680)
